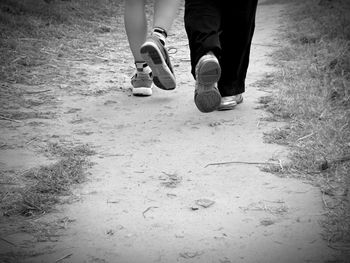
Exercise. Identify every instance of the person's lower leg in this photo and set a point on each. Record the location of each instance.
(202, 24)
(135, 26)
(236, 50)
(165, 12)
(153, 49)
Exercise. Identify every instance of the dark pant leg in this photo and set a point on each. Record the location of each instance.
(202, 23)
(238, 23)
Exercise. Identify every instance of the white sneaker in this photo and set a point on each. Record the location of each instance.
(229, 102)
(142, 84)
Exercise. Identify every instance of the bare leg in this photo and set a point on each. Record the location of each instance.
(136, 25)
(165, 12)
(151, 53)
(153, 50)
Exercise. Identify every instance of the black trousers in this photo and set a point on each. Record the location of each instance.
(226, 28)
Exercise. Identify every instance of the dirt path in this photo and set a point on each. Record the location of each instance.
(152, 165)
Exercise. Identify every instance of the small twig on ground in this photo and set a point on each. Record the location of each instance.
(102, 58)
(113, 202)
(341, 159)
(306, 136)
(3, 239)
(18, 58)
(37, 92)
(32, 140)
(149, 208)
(8, 119)
(278, 201)
(240, 162)
(53, 66)
(32, 206)
(324, 201)
(265, 45)
(62, 258)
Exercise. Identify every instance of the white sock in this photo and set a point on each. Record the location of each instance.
(142, 66)
(161, 34)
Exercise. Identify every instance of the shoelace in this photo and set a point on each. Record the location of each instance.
(171, 50)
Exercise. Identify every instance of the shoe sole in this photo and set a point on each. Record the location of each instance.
(208, 72)
(207, 98)
(142, 92)
(163, 78)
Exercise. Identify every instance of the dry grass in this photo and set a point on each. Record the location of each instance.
(38, 41)
(37, 191)
(18, 256)
(42, 188)
(37, 37)
(54, 18)
(312, 95)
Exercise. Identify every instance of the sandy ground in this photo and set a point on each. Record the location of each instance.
(152, 166)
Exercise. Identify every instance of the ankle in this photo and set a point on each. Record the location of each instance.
(142, 66)
(161, 34)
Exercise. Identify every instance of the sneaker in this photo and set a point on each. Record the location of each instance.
(208, 70)
(206, 95)
(157, 57)
(229, 102)
(142, 84)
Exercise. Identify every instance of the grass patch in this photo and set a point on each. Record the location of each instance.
(312, 94)
(29, 16)
(45, 186)
(38, 37)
